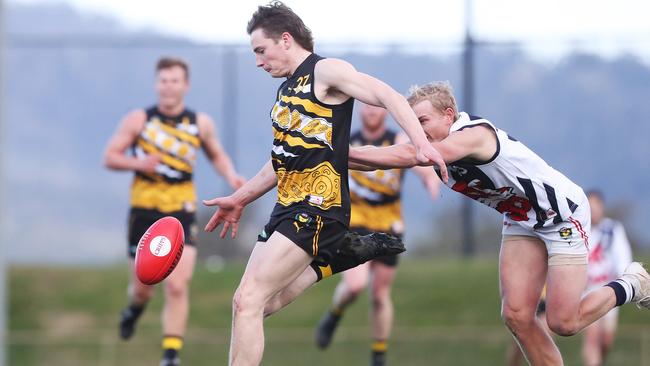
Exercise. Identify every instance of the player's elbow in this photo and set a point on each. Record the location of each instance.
(110, 161)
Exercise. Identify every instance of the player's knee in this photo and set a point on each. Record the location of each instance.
(607, 342)
(142, 293)
(380, 298)
(272, 307)
(354, 288)
(355, 291)
(176, 289)
(246, 301)
(518, 319)
(562, 327)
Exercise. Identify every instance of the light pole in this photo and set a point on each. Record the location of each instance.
(467, 217)
(3, 218)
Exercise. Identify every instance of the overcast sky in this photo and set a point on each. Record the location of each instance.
(548, 26)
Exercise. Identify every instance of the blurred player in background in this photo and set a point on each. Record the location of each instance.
(546, 220)
(609, 254)
(375, 206)
(164, 141)
(311, 119)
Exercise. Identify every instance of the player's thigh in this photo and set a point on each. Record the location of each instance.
(185, 267)
(383, 276)
(522, 271)
(356, 278)
(564, 288)
(135, 286)
(272, 266)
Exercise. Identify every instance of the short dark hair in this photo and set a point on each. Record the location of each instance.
(596, 194)
(168, 62)
(277, 18)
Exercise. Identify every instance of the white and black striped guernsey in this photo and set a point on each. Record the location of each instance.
(515, 181)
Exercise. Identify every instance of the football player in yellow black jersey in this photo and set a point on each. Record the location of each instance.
(165, 140)
(376, 206)
(303, 240)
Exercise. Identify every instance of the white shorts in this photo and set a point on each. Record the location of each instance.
(569, 237)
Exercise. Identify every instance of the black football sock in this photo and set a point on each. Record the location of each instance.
(378, 355)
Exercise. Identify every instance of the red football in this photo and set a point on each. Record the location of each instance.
(159, 250)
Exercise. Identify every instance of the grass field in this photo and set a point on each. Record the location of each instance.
(447, 313)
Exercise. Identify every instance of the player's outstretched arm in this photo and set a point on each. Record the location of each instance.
(478, 143)
(342, 76)
(390, 157)
(216, 153)
(230, 208)
(429, 178)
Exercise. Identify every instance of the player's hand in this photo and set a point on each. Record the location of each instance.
(229, 211)
(426, 153)
(148, 164)
(235, 181)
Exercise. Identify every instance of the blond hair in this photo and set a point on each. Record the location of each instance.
(439, 93)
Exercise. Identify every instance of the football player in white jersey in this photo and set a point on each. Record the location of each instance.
(609, 254)
(546, 221)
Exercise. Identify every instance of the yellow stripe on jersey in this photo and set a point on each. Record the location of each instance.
(183, 136)
(163, 196)
(376, 186)
(293, 140)
(374, 217)
(173, 162)
(309, 106)
(322, 183)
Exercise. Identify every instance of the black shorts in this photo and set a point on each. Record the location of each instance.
(140, 219)
(389, 260)
(315, 234)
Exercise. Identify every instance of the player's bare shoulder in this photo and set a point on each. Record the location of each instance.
(206, 126)
(134, 120)
(330, 74)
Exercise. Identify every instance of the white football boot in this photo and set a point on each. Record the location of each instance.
(638, 277)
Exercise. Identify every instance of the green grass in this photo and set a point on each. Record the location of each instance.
(447, 313)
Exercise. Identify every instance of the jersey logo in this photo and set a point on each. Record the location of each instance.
(502, 199)
(300, 220)
(321, 181)
(565, 232)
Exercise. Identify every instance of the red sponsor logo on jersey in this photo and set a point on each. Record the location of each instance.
(502, 199)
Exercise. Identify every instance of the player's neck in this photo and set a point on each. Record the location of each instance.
(171, 110)
(373, 135)
(298, 58)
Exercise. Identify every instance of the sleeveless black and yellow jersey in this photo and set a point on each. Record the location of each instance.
(376, 195)
(176, 140)
(310, 148)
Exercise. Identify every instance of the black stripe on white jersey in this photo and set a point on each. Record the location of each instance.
(572, 205)
(550, 193)
(529, 190)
